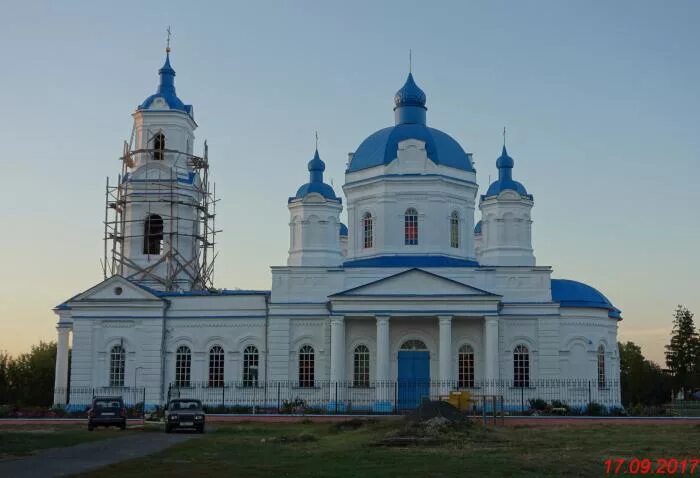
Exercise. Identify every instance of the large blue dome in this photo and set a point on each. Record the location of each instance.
(381, 147)
(571, 293)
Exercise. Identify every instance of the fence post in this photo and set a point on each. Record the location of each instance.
(279, 409)
(522, 399)
(396, 396)
(223, 397)
(589, 391)
(336, 398)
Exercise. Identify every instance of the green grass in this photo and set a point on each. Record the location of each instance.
(320, 450)
(24, 440)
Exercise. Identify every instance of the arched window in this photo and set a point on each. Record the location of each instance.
(367, 231)
(521, 366)
(360, 374)
(410, 227)
(158, 146)
(465, 367)
(183, 366)
(153, 235)
(601, 366)
(216, 366)
(117, 364)
(250, 366)
(454, 229)
(414, 344)
(306, 366)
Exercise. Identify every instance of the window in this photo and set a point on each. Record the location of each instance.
(601, 366)
(521, 366)
(117, 364)
(465, 367)
(153, 235)
(183, 366)
(216, 366)
(414, 344)
(250, 366)
(158, 146)
(454, 229)
(367, 231)
(306, 366)
(360, 376)
(410, 227)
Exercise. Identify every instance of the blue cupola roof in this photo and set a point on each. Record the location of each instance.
(316, 185)
(381, 147)
(343, 230)
(571, 293)
(166, 91)
(477, 228)
(505, 178)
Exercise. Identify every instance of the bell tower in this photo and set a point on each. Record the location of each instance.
(160, 218)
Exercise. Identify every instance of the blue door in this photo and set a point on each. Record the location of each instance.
(414, 378)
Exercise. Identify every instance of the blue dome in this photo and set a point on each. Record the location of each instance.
(570, 293)
(343, 230)
(381, 147)
(477, 228)
(409, 94)
(166, 90)
(505, 177)
(316, 185)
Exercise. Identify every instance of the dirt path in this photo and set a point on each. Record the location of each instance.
(84, 457)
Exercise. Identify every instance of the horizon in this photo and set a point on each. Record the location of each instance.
(600, 102)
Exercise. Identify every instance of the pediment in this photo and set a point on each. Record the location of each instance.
(114, 289)
(415, 282)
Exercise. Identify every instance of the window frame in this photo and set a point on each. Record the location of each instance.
(251, 366)
(367, 230)
(410, 227)
(521, 366)
(152, 237)
(360, 366)
(117, 365)
(183, 366)
(158, 146)
(600, 364)
(465, 367)
(217, 366)
(307, 366)
(454, 230)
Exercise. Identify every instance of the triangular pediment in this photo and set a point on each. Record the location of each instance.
(415, 282)
(114, 289)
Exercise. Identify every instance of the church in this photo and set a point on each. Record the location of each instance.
(413, 298)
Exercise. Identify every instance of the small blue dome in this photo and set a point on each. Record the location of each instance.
(343, 230)
(571, 293)
(410, 94)
(505, 178)
(477, 228)
(316, 185)
(166, 91)
(381, 147)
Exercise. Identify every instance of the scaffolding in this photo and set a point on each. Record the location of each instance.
(185, 201)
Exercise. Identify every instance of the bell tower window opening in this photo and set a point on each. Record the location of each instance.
(368, 235)
(454, 230)
(411, 227)
(158, 146)
(153, 235)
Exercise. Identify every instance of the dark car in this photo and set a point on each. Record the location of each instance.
(107, 412)
(184, 413)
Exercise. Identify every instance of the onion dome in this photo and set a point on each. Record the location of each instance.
(316, 185)
(166, 91)
(571, 293)
(381, 148)
(505, 178)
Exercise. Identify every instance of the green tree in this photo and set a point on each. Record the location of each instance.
(683, 352)
(4, 379)
(31, 376)
(641, 380)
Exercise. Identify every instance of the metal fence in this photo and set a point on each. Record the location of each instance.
(559, 395)
(80, 398)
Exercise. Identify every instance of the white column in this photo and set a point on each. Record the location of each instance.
(337, 349)
(383, 351)
(445, 352)
(491, 365)
(60, 396)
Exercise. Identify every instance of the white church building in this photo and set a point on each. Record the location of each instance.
(414, 298)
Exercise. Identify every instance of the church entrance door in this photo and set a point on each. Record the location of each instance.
(413, 374)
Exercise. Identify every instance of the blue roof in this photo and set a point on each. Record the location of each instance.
(571, 293)
(166, 90)
(381, 147)
(477, 228)
(505, 177)
(343, 229)
(411, 261)
(316, 185)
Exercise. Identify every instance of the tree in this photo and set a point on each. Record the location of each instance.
(30, 377)
(641, 380)
(683, 352)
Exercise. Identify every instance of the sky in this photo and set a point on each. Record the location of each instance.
(600, 100)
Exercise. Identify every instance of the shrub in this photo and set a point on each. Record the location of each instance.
(538, 404)
(594, 409)
(560, 408)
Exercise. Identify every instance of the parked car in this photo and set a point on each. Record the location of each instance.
(107, 412)
(184, 413)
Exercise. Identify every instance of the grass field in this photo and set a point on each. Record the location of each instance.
(24, 440)
(327, 450)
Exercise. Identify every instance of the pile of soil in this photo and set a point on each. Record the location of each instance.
(432, 423)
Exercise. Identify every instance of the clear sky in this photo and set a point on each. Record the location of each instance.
(600, 99)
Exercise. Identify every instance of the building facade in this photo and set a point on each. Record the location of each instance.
(412, 293)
